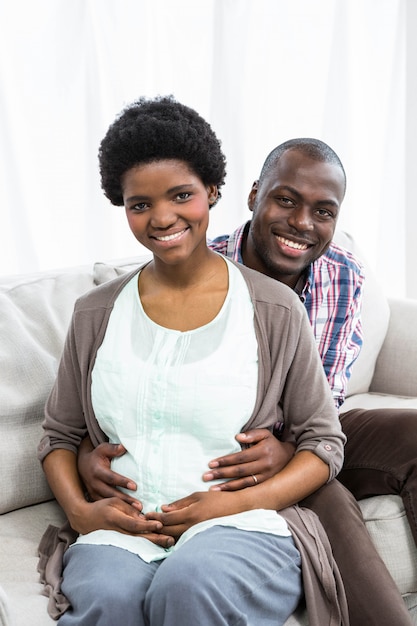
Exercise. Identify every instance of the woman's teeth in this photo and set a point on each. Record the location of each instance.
(170, 237)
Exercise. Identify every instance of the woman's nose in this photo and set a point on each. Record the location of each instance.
(162, 215)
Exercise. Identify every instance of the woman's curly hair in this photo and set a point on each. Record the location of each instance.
(153, 130)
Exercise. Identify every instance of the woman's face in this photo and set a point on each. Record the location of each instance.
(167, 207)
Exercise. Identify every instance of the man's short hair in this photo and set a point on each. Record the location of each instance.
(313, 148)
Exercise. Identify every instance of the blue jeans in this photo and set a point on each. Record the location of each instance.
(221, 576)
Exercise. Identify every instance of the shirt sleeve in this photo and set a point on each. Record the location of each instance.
(64, 423)
(340, 350)
(333, 302)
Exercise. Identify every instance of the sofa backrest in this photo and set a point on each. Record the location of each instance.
(34, 315)
(375, 320)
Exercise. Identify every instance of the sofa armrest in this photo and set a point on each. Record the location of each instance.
(4, 609)
(396, 365)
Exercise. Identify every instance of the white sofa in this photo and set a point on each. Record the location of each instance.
(34, 315)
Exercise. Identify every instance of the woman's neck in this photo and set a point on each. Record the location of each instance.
(184, 298)
(188, 275)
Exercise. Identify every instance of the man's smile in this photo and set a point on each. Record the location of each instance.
(292, 244)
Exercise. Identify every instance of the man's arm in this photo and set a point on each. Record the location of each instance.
(263, 457)
(94, 467)
(303, 475)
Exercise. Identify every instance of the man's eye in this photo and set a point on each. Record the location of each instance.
(324, 213)
(285, 201)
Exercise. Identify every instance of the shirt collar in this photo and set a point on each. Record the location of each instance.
(235, 243)
(303, 286)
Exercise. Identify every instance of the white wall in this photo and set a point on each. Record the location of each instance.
(261, 71)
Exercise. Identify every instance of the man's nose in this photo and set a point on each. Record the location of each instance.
(301, 219)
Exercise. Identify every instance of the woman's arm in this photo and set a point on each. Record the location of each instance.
(60, 467)
(61, 472)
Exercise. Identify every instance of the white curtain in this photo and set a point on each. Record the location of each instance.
(261, 71)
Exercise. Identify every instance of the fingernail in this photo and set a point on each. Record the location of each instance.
(208, 476)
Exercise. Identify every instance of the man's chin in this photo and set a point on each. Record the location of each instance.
(292, 265)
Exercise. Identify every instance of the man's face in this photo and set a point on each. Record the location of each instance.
(295, 210)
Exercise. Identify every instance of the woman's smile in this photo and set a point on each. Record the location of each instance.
(173, 237)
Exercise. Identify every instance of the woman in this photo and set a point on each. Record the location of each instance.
(171, 361)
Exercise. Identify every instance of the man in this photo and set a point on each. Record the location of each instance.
(295, 205)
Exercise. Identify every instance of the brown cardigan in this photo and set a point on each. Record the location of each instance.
(292, 388)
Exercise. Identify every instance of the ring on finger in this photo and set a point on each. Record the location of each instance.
(255, 480)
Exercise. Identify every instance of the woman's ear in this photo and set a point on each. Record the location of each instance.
(252, 195)
(213, 194)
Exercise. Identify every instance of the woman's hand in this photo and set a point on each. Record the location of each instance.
(60, 467)
(114, 514)
(179, 516)
(265, 457)
(94, 467)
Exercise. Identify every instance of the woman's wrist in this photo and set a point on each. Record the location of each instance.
(79, 514)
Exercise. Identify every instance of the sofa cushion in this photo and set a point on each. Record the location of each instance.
(387, 524)
(373, 400)
(4, 609)
(395, 371)
(375, 319)
(104, 271)
(34, 315)
(20, 533)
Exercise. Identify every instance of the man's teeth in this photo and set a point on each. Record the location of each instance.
(292, 244)
(170, 237)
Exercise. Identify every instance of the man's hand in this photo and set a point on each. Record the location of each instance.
(94, 466)
(179, 516)
(265, 457)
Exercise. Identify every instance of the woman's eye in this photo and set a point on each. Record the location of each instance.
(184, 195)
(139, 206)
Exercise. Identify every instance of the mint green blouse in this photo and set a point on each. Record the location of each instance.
(176, 400)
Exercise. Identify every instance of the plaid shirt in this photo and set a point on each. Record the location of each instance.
(332, 295)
